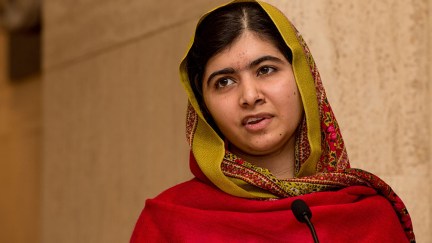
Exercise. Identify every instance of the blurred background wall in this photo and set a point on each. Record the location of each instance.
(20, 121)
(20, 152)
(101, 128)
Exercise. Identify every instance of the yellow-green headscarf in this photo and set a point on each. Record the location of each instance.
(209, 149)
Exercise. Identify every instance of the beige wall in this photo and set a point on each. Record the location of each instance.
(20, 150)
(114, 109)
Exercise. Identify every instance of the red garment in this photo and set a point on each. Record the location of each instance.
(197, 212)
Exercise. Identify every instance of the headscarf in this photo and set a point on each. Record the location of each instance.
(321, 163)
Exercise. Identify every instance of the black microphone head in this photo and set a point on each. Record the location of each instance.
(300, 209)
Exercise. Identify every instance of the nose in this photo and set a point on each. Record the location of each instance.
(251, 93)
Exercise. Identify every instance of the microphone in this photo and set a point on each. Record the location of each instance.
(303, 214)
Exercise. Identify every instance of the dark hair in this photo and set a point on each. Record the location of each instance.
(220, 29)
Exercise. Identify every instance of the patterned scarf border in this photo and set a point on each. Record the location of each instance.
(235, 167)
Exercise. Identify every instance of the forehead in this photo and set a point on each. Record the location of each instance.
(246, 47)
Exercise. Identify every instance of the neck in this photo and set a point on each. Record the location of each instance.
(280, 163)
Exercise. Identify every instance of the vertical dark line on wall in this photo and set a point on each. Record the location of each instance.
(24, 53)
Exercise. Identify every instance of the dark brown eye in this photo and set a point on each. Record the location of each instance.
(223, 82)
(265, 70)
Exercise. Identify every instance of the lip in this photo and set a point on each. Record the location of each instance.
(261, 121)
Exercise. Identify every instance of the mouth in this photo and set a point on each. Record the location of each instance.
(255, 119)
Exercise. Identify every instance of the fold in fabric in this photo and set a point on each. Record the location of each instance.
(214, 216)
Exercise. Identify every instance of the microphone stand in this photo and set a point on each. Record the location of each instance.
(303, 214)
(312, 228)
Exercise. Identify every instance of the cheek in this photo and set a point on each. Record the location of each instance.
(219, 108)
(288, 99)
(294, 100)
(284, 92)
(296, 107)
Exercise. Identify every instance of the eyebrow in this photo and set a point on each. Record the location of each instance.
(251, 65)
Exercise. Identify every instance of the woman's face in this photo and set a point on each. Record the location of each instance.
(250, 90)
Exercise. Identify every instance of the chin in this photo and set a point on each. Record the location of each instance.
(260, 150)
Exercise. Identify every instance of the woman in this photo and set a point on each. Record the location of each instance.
(262, 134)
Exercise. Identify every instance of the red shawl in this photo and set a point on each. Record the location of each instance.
(197, 212)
